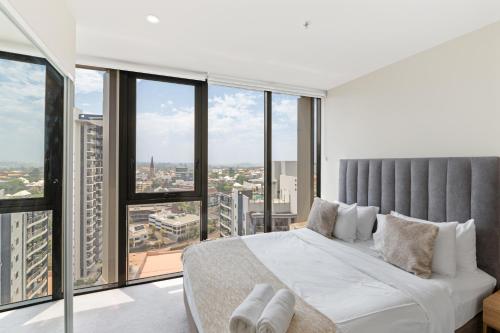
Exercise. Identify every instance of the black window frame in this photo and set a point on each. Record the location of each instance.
(127, 165)
(53, 173)
(127, 177)
(128, 82)
(316, 132)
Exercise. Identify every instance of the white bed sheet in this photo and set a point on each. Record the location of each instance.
(467, 289)
(358, 292)
(348, 287)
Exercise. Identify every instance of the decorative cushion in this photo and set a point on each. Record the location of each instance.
(409, 245)
(322, 217)
(445, 250)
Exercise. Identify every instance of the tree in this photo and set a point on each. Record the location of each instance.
(241, 179)
(13, 186)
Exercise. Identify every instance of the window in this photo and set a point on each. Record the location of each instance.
(292, 155)
(161, 172)
(93, 231)
(157, 234)
(22, 124)
(31, 95)
(165, 120)
(235, 161)
(194, 161)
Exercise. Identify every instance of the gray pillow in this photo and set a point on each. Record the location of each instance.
(409, 245)
(322, 217)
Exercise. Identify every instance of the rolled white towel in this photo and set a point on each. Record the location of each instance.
(278, 313)
(245, 316)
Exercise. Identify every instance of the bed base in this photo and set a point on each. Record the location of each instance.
(192, 324)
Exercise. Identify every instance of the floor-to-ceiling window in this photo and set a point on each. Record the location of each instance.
(94, 232)
(292, 160)
(31, 99)
(193, 167)
(161, 181)
(235, 161)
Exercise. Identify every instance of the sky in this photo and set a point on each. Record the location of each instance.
(89, 85)
(165, 121)
(22, 113)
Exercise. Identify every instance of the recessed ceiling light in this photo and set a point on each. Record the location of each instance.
(153, 19)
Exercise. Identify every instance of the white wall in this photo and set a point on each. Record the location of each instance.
(52, 25)
(442, 102)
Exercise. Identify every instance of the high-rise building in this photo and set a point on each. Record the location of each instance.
(242, 214)
(225, 214)
(25, 251)
(280, 168)
(88, 250)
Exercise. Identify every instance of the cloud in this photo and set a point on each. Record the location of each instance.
(22, 117)
(285, 113)
(284, 127)
(235, 128)
(166, 135)
(88, 81)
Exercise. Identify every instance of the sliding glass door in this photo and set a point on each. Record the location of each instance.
(160, 174)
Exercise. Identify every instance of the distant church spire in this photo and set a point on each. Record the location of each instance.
(152, 168)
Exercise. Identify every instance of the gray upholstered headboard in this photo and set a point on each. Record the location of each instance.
(435, 189)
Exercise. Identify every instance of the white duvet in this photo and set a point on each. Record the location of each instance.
(358, 292)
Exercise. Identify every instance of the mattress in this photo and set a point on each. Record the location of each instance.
(467, 289)
(360, 292)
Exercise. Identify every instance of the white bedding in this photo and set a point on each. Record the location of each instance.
(360, 292)
(467, 289)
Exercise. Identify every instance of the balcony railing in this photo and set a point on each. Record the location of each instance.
(35, 276)
(38, 246)
(35, 261)
(37, 289)
(35, 233)
(35, 221)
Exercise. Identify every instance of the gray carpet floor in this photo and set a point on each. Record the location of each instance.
(148, 308)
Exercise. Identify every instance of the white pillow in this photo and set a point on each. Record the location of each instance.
(444, 260)
(365, 220)
(345, 225)
(378, 236)
(466, 246)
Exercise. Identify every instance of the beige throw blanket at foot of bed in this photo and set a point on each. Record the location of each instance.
(223, 272)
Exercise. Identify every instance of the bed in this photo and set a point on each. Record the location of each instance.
(344, 287)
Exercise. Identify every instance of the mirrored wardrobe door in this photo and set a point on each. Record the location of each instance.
(32, 104)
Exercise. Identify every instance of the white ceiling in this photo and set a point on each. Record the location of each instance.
(264, 39)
